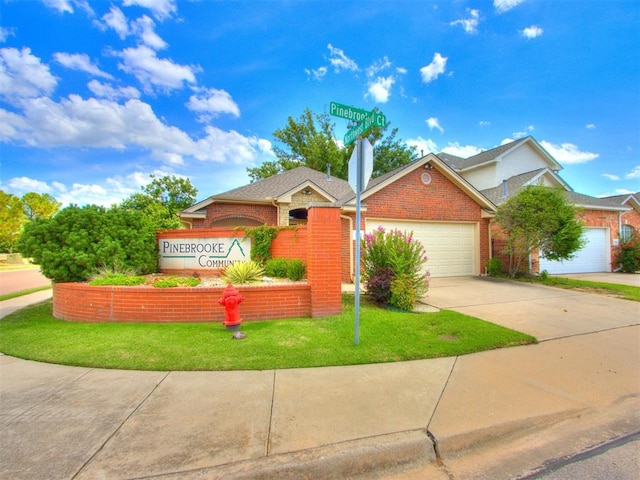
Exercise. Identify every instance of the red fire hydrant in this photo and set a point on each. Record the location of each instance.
(230, 300)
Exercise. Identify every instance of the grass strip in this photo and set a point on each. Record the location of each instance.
(626, 292)
(9, 296)
(385, 336)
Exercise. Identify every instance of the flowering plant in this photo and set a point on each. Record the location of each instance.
(394, 259)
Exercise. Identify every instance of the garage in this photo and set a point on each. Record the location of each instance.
(451, 247)
(593, 257)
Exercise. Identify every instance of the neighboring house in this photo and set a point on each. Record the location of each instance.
(503, 171)
(448, 202)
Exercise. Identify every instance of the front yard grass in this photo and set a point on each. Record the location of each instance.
(385, 336)
(625, 292)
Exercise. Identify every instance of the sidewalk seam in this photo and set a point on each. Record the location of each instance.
(273, 401)
(119, 427)
(583, 334)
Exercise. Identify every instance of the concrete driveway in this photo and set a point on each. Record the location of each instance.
(544, 312)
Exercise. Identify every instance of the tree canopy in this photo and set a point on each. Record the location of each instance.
(162, 199)
(310, 141)
(539, 218)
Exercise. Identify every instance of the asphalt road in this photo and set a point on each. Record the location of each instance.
(618, 460)
(17, 280)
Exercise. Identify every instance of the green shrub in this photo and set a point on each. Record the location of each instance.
(276, 267)
(244, 272)
(71, 246)
(494, 267)
(397, 255)
(296, 269)
(118, 279)
(629, 255)
(170, 282)
(403, 292)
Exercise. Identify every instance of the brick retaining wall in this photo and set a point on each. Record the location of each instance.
(82, 302)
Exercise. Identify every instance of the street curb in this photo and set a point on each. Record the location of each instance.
(336, 461)
(459, 444)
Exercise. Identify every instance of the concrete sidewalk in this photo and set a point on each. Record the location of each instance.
(495, 414)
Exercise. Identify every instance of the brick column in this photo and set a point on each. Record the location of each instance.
(324, 264)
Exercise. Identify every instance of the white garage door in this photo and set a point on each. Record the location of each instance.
(451, 247)
(593, 257)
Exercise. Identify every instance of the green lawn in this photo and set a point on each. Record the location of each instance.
(385, 336)
(626, 292)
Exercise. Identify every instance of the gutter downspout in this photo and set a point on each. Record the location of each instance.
(351, 259)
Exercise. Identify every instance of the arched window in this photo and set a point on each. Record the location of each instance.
(626, 232)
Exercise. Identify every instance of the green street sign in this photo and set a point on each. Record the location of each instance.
(356, 114)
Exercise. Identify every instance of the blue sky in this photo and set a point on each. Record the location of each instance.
(97, 95)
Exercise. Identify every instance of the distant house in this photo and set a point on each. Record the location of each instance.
(447, 201)
(501, 172)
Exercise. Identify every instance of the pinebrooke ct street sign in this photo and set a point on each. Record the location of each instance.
(365, 120)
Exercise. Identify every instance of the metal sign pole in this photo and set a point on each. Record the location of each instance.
(359, 182)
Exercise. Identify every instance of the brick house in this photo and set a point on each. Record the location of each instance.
(501, 172)
(447, 201)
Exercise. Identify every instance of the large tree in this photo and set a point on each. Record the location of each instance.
(39, 205)
(302, 142)
(539, 218)
(11, 221)
(162, 199)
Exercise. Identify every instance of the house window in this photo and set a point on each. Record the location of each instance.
(626, 232)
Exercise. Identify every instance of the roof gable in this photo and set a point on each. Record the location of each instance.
(388, 178)
(281, 187)
(496, 154)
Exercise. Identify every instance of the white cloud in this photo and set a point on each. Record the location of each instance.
(161, 9)
(428, 145)
(339, 60)
(433, 123)
(378, 66)
(5, 33)
(611, 176)
(23, 75)
(106, 193)
(380, 88)
(635, 173)
(531, 32)
(484, 123)
(144, 28)
(401, 70)
(153, 72)
(502, 6)
(100, 123)
(590, 126)
(22, 185)
(568, 153)
(230, 147)
(470, 25)
(423, 146)
(317, 74)
(116, 20)
(212, 102)
(79, 61)
(463, 151)
(434, 69)
(104, 90)
(62, 6)
(66, 6)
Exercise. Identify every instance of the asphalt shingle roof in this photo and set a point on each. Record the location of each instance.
(278, 185)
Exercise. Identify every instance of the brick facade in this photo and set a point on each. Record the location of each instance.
(237, 212)
(323, 261)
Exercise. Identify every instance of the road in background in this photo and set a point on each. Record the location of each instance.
(18, 280)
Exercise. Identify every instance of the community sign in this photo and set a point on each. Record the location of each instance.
(202, 253)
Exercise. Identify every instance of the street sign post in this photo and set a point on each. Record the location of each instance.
(362, 157)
